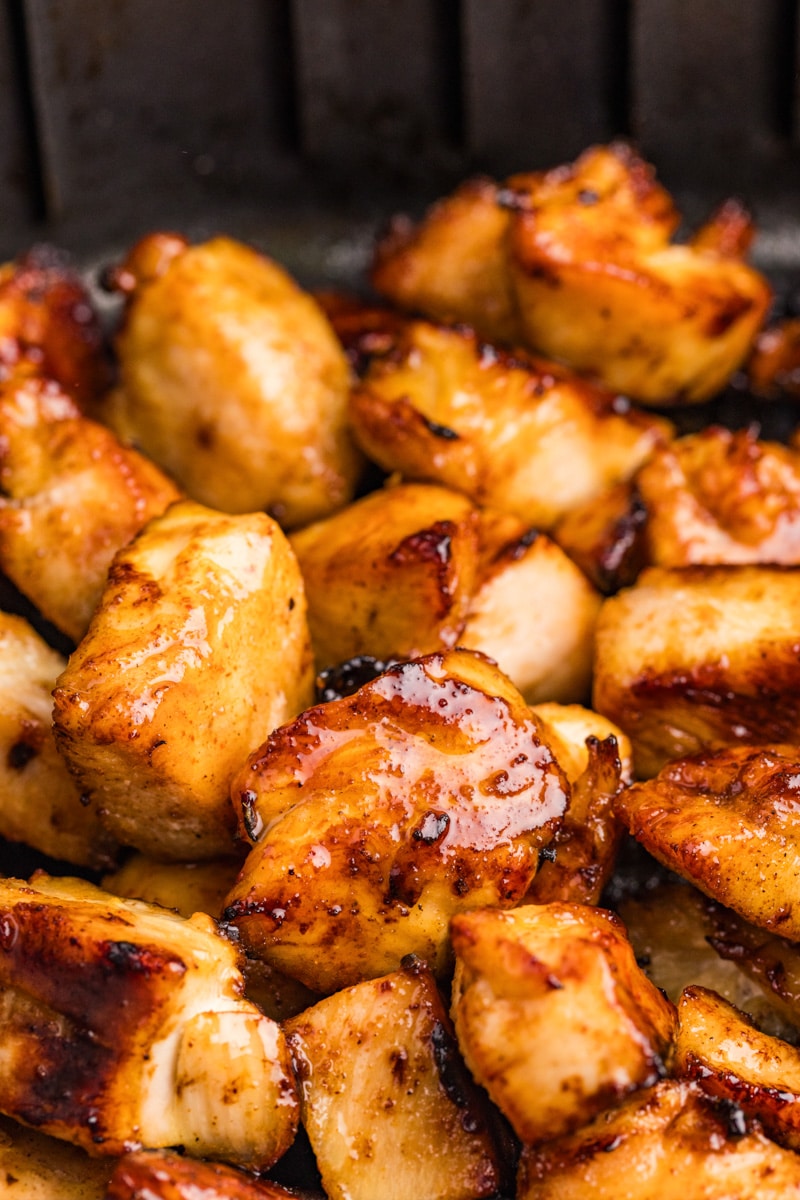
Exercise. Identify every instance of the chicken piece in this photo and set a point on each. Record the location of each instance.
(773, 369)
(553, 1016)
(682, 938)
(729, 1059)
(390, 576)
(70, 496)
(39, 802)
(666, 1143)
(232, 380)
(513, 432)
(161, 1175)
(376, 817)
(122, 1025)
(569, 728)
(606, 537)
(453, 266)
(700, 657)
(580, 861)
(383, 1092)
(165, 695)
(545, 645)
(36, 1167)
(47, 322)
(728, 821)
(599, 285)
(188, 888)
(722, 497)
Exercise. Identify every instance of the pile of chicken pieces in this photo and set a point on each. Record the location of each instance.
(392, 620)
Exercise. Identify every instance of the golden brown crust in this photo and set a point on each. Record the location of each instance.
(375, 817)
(161, 1175)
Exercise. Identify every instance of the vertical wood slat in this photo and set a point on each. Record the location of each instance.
(375, 82)
(139, 98)
(708, 84)
(543, 79)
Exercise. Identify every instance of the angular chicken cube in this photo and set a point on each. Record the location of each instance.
(199, 648)
(122, 1025)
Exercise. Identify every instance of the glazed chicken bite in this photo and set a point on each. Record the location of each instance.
(198, 649)
(728, 821)
(700, 657)
(123, 1026)
(162, 1175)
(40, 803)
(376, 817)
(34, 1166)
(388, 1105)
(513, 432)
(71, 495)
(232, 380)
(553, 1016)
(669, 1142)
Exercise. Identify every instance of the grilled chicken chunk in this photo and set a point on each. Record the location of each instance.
(376, 817)
(36, 1167)
(232, 380)
(39, 801)
(389, 1107)
(199, 648)
(70, 496)
(122, 1025)
(569, 728)
(513, 432)
(553, 1016)
(730, 823)
(161, 1175)
(700, 657)
(773, 369)
(666, 1143)
(720, 1049)
(606, 537)
(47, 322)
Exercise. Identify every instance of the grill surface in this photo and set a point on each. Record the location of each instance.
(298, 123)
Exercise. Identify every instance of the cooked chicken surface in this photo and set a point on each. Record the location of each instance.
(232, 380)
(606, 537)
(513, 432)
(40, 803)
(553, 1015)
(700, 657)
(199, 648)
(70, 496)
(36, 1167)
(376, 817)
(719, 1048)
(388, 1105)
(570, 726)
(667, 1143)
(122, 1025)
(729, 822)
(161, 1175)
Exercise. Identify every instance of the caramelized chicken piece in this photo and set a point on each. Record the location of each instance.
(122, 1025)
(514, 433)
(606, 537)
(722, 497)
(730, 823)
(389, 1107)
(581, 858)
(569, 729)
(39, 802)
(600, 286)
(546, 644)
(161, 1175)
(36, 1167)
(70, 496)
(47, 322)
(773, 369)
(719, 1048)
(682, 938)
(453, 266)
(378, 816)
(232, 380)
(667, 1143)
(165, 695)
(391, 576)
(553, 1016)
(700, 657)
